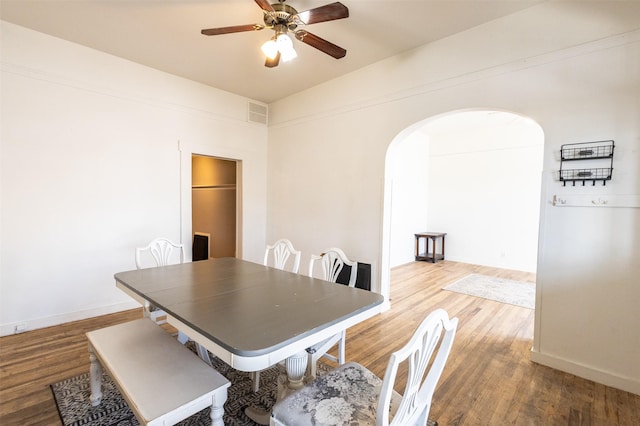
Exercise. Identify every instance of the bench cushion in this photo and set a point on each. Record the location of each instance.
(154, 372)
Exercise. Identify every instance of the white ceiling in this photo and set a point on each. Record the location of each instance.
(165, 34)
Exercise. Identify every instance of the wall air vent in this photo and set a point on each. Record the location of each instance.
(257, 113)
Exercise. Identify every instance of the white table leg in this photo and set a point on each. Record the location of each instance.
(291, 380)
(95, 378)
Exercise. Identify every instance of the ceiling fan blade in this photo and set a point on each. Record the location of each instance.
(324, 13)
(270, 63)
(265, 5)
(233, 29)
(321, 44)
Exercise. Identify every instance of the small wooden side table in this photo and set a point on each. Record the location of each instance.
(431, 256)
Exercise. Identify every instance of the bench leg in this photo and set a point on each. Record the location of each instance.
(217, 407)
(95, 378)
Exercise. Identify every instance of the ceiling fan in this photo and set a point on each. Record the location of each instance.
(283, 19)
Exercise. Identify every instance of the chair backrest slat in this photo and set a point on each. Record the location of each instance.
(333, 260)
(161, 250)
(282, 250)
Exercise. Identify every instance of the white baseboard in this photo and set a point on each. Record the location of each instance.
(34, 324)
(587, 372)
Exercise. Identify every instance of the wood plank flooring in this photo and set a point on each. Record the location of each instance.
(31, 361)
(488, 379)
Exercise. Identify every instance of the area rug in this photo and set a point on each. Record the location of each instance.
(517, 293)
(72, 398)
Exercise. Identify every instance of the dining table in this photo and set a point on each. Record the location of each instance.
(249, 315)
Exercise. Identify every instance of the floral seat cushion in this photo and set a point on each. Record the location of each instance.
(348, 395)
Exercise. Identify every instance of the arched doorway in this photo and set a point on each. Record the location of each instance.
(475, 174)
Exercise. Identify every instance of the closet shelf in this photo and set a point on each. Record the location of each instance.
(221, 186)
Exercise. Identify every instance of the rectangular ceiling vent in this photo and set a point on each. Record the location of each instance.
(257, 113)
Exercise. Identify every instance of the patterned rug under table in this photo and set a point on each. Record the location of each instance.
(72, 398)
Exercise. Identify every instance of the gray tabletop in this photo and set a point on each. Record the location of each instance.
(247, 308)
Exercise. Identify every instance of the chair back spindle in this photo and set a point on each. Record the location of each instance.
(333, 261)
(281, 251)
(161, 249)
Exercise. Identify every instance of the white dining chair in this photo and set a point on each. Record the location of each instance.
(277, 255)
(351, 394)
(333, 261)
(164, 252)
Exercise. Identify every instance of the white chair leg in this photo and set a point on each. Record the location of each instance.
(182, 338)
(159, 317)
(203, 354)
(146, 309)
(341, 349)
(311, 367)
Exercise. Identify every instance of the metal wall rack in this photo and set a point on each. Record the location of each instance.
(599, 150)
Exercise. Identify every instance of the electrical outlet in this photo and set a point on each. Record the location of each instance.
(19, 328)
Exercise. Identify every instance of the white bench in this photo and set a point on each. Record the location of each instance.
(162, 381)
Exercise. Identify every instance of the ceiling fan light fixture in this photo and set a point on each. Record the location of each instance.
(288, 55)
(285, 47)
(283, 19)
(270, 49)
(284, 41)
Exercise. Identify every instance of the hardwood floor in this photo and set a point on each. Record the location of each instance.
(31, 361)
(488, 379)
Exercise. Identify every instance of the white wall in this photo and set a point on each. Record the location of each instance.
(571, 67)
(475, 175)
(409, 173)
(96, 160)
(485, 178)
